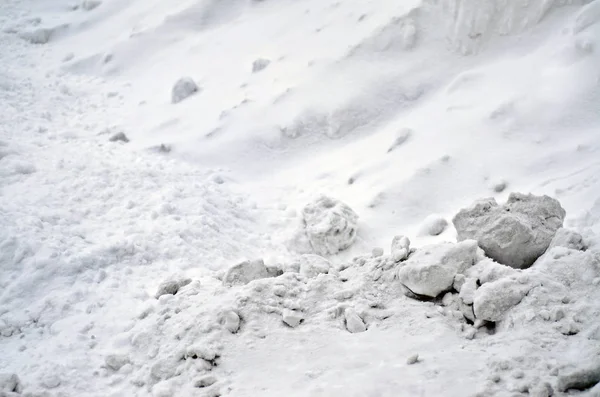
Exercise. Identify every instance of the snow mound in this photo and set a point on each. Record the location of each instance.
(516, 233)
(330, 225)
(183, 88)
(431, 270)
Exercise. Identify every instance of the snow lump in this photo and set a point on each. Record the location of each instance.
(431, 269)
(183, 88)
(330, 225)
(514, 234)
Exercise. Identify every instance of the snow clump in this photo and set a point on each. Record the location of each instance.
(247, 271)
(330, 225)
(431, 269)
(183, 88)
(10, 383)
(434, 225)
(514, 234)
(260, 64)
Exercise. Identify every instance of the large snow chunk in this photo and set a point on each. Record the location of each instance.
(247, 271)
(492, 300)
(183, 88)
(515, 234)
(400, 248)
(431, 270)
(330, 225)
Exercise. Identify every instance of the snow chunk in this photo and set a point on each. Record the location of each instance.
(412, 359)
(330, 225)
(492, 300)
(116, 361)
(183, 88)
(431, 270)
(580, 379)
(119, 136)
(400, 248)
(515, 234)
(568, 239)
(354, 323)
(313, 265)
(171, 287)
(247, 271)
(433, 225)
(10, 383)
(291, 317)
(231, 321)
(260, 64)
(89, 5)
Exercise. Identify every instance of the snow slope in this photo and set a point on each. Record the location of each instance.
(399, 109)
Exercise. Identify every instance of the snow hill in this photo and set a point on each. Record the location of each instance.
(259, 197)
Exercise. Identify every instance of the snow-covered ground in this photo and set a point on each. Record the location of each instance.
(114, 186)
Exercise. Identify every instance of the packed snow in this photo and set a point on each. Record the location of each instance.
(299, 198)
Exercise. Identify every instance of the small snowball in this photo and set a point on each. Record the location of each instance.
(377, 252)
(171, 287)
(116, 361)
(231, 321)
(433, 225)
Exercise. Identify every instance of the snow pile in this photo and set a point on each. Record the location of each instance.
(514, 234)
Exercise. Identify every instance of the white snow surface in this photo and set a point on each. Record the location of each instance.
(398, 109)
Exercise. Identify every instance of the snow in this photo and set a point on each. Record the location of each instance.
(388, 111)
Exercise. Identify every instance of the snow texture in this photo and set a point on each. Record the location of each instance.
(10, 383)
(432, 269)
(514, 234)
(183, 88)
(330, 225)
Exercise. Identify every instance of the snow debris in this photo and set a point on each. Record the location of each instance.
(400, 248)
(41, 35)
(412, 359)
(260, 64)
(183, 88)
(291, 317)
(354, 324)
(311, 266)
(515, 234)
(377, 252)
(542, 390)
(247, 271)
(231, 321)
(431, 269)
(171, 287)
(579, 379)
(119, 136)
(330, 225)
(433, 225)
(10, 383)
